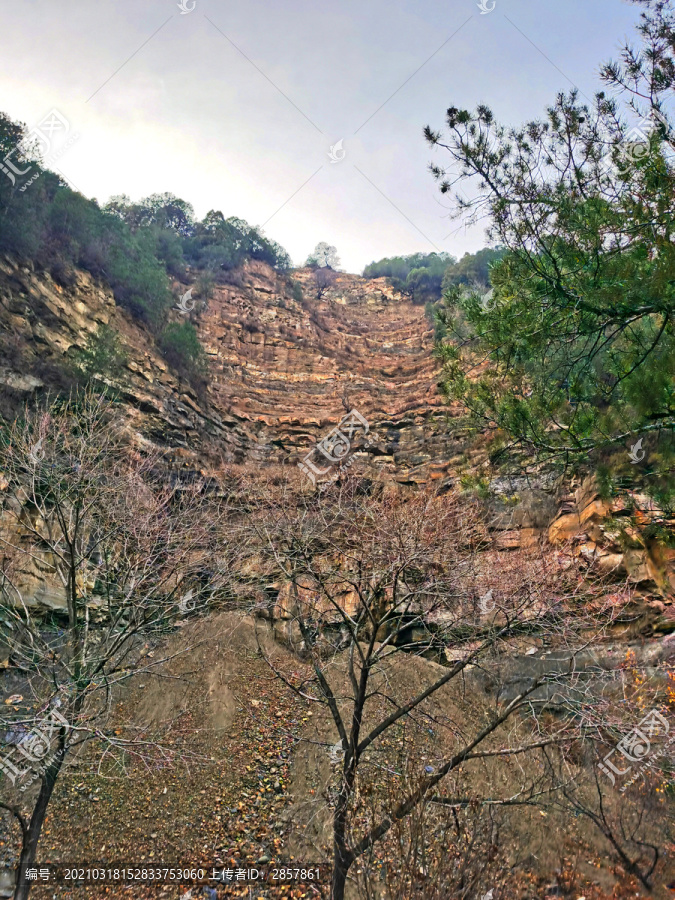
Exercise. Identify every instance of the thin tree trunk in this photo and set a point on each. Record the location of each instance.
(29, 848)
(342, 858)
(338, 880)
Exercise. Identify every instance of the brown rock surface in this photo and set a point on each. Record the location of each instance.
(283, 373)
(291, 369)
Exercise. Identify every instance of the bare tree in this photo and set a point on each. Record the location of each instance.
(622, 794)
(366, 575)
(129, 552)
(324, 279)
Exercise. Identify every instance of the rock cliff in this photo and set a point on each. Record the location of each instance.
(285, 365)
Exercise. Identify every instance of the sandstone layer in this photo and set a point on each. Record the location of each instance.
(285, 366)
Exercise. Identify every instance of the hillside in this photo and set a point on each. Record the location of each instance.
(326, 586)
(280, 369)
(283, 371)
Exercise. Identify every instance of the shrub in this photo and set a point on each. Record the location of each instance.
(251, 326)
(103, 357)
(205, 285)
(219, 243)
(181, 348)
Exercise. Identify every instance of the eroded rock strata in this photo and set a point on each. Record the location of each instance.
(285, 366)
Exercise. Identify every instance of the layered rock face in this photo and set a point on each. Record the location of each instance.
(286, 365)
(42, 322)
(289, 369)
(283, 369)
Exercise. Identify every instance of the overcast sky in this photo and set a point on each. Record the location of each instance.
(235, 105)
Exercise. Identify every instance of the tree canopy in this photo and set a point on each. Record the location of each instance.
(215, 243)
(579, 331)
(134, 246)
(472, 268)
(419, 275)
(323, 255)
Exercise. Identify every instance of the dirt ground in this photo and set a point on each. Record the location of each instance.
(237, 771)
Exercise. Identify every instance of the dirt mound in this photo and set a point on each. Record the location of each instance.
(228, 765)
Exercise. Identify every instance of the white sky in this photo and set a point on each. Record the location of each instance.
(181, 109)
